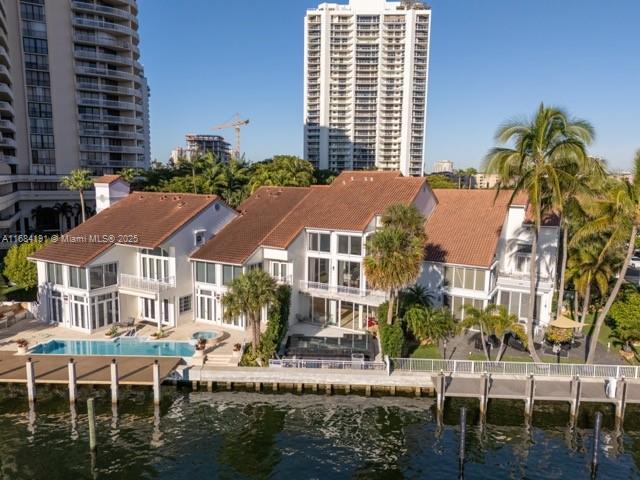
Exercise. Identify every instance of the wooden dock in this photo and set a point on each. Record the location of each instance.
(90, 370)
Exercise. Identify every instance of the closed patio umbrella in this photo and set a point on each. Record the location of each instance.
(564, 322)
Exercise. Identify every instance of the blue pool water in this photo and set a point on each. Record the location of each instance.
(119, 346)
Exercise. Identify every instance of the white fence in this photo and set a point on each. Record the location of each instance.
(513, 368)
(332, 364)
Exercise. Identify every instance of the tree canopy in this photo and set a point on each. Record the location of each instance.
(20, 271)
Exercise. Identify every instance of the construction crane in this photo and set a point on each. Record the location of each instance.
(236, 123)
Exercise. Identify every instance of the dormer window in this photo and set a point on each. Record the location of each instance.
(199, 237)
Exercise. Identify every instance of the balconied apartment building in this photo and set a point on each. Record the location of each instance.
(78, 99)
(201, 144)
(365, 85)
(313, 239)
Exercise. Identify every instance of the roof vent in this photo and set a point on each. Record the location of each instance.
(181, 204)
(164, 197)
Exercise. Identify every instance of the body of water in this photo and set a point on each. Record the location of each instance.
(235, 435)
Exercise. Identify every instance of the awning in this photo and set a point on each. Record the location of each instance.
(565, 322)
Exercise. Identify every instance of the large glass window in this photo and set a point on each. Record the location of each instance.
(205, 305)
(104, 310)
(517, 303)
(54, 273)
(205, 272)
(103, 275)
(349, 274)
(319, 242)
(229, 272)
(279, 270)
(318, 270)
(78, 277)
(349, 245)
(467, 278)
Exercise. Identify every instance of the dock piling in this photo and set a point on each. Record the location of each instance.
(528, 402)
(156, 382)
(92, 425)
(621, 403)
(596, 443)
(484, 395)
(114, 382)
(463, 432)
(576, 387)
(31, 381)
(73, 387)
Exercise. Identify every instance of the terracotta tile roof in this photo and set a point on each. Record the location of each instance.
(465, 226)
(259, 215)
(349, 203)
(152, 216)
(108, 179)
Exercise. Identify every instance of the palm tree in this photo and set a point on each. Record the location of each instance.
(394, 257)
(585, 183)
(282, 171)
(617, 214)
(585, 268)
(417, 294)
(429, 324)
(545, 150)
(247, 295)
(501, 323)
(78, 180)
(478, 318)
(129, 174)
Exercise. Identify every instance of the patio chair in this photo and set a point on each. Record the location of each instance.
(130, 322)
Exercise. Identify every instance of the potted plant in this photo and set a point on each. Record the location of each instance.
(201, 346)
(23, 345)
(236, 347)
(112, 332)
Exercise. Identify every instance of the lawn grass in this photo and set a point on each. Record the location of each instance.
(426, 351)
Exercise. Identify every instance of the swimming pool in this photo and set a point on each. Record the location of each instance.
(119, 346)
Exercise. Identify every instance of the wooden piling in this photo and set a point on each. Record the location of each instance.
(621, 403)
(528, 402)
(73, 387)
(484, 395)
(596, 443)
(93, 445)
(314, 388)
(463, 432)
(576, 388)
(31, 381)
(328, 389)
(392, 390)
(367, 390)
(258, 386)
(229, 386)
(440, 396)
(156, 382)
(299, 387)
(347, 389)
(209, 387)
(418, 392)
(114, 382)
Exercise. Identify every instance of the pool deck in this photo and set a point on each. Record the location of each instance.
(93, 370)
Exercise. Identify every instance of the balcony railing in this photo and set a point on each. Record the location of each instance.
(134, 282)
(341, 290)
(284, 279)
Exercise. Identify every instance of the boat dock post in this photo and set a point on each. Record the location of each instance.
(484, 395)
(73, 387)
(576, 387)
(528, 402)
(596, 443)
(463, 432)
(621, 404)
(114, 382)
(91, 414)
(156, 382)
(31, 381)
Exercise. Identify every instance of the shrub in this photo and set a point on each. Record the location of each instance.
(558, 335)
(392, 339)
(20, 271)
(277, 324)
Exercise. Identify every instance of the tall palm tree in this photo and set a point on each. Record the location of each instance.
(585, 182)
(616, 214)
(585, 268)
(538, 164)
(248, 294)
(394, 257)
(78, 180)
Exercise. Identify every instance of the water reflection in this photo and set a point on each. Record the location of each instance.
(237, 435)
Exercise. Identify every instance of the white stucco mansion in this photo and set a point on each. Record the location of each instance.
(168, 258)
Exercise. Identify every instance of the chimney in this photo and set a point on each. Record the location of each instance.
(109, 190)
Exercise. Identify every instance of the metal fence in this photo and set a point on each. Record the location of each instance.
(332, 364)
(513, 368)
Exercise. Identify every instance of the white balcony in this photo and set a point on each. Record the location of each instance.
(134, 283)
(284, 279)
(355, 294)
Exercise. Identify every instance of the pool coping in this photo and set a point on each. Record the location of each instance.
(191, 342)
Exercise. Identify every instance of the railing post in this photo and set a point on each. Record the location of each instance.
(387, 362)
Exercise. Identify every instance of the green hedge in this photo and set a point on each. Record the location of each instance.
(277, 324)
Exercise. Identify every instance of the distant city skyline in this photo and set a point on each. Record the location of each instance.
(489, 63)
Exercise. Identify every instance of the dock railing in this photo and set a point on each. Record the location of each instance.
(332, 364)
(513, 368)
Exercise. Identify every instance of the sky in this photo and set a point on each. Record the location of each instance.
(491, 61)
